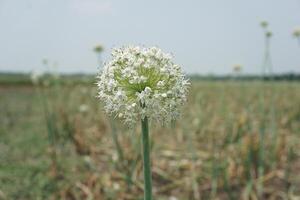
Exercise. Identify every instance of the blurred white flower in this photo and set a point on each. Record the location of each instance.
(140, 82)
(269, 34)
(237, 68)
(83, 108)
(87, 159)
(264, 24)
(296, 32)
(115, 157)
(35, 76)
(116, 186)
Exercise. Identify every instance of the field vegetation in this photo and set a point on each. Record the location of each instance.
(235, 140)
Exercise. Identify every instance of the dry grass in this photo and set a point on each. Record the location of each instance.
(214, 152)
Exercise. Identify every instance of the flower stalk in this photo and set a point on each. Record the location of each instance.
(144, 84)
(146, 160)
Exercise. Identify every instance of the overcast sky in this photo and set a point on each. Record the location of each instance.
(205, 36)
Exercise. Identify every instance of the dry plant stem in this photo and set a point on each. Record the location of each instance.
(273, 123)
(100, 60)
(261, 162)
(116, 140)
(122, 166)
(50, 129)
(267, 67)
(267, 62)
(273, 128)
(214, 182)
(146, 160)
(192, 151)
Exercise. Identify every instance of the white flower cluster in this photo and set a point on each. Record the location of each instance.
(142, 82)
(35, 76)
(296, 32)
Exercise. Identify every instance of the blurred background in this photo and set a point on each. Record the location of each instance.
(238, 137)
(207, 37)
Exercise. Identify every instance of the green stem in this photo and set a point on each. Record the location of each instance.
(116, 140)
(146, 160)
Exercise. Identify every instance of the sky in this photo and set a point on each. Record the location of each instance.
(205, 36)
